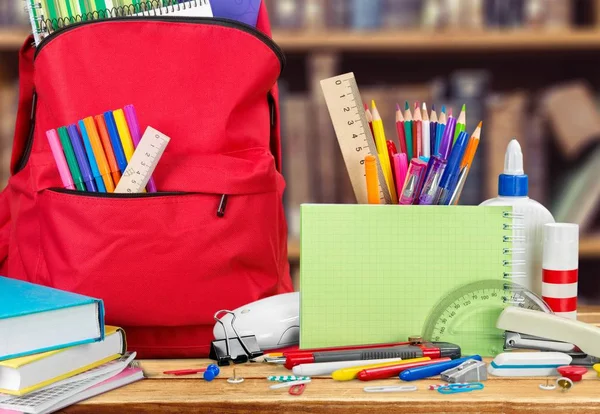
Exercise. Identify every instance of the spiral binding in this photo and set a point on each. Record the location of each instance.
(514, 298)
(147, 8)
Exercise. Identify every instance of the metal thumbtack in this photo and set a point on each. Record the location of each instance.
(564, 383)
(547, 386)
(235, 379)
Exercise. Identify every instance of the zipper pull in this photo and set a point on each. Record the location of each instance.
(222, 206)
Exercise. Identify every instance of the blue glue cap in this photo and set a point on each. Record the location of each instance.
(513, 182)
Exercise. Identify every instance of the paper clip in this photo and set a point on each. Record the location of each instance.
(289, 384)
(400, 388)
(297, 389)
(456, 388)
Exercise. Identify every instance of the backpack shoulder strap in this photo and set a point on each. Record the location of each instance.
(25, 108)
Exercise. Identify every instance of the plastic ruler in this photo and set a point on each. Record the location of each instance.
(465, 311)
(143, 162)
(353, 133)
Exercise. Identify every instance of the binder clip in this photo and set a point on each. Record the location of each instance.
(469, 371)
(237, 349)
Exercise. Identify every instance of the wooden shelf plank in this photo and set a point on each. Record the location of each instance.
(12, 38)
(421, 41)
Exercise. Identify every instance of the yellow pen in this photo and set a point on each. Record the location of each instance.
(382, 152)
(124, 134)
(348, 374)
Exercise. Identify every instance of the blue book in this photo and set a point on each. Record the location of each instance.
(36, 319)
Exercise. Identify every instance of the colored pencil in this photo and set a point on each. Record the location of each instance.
(382, 152)
(417, 131)
(461, 122)
(426, 130)
(408, 120)
(465, 165)
(441, 126)
(433, 123)
(400, 129)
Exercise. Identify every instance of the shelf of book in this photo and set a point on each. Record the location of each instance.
(418, 41)
(589, 248)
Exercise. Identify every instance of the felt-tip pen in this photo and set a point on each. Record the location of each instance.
(433, 350)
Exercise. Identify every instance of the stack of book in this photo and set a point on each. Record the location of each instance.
(55, 349)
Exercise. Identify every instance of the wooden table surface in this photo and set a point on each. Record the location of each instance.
(166, 394)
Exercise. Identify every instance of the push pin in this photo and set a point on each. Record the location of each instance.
(565, 384)
(574, 373)
(547, 386)
(235, 379)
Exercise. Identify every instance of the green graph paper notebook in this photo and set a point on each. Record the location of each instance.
(374, 273)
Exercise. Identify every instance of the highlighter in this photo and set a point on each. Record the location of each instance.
(429, 193)
(82, 160)
(113, 134)
(99, 154)
(414, 178)
(124, 134)
(91, 157)
(451, 175)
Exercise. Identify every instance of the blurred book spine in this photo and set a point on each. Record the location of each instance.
(12, 13)
(366, 14)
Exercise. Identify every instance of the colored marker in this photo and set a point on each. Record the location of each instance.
(446, 145)
(136, 136)
(113, 134)
(91, 158)
(452, 172)
(82, 160)
(414, 177)
(59, 158)
(429, 193)
(71, 158)
(99, 154)
(124, 134)
(108, 149)
(372, 180)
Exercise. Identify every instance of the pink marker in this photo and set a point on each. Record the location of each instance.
(412, 184)
(59, 158)
(400, 166)
(136, 136)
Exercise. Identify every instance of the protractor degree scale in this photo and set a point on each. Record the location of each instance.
(467, 316)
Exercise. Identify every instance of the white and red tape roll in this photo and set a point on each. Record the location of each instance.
(560, 268)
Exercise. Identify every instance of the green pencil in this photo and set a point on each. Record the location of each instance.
(461, 122)
(408, 121)
(71, 159)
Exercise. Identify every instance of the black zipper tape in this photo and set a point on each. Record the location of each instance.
(121, 195)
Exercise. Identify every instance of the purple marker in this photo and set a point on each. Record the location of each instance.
(82, 160)
(431, 187)
(136, 136)
(447, 138)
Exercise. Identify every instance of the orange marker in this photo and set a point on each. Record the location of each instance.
(372, 180)
(99, 154)
(108, 150)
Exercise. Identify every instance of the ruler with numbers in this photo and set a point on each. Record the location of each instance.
(143, 162)
(353, 133)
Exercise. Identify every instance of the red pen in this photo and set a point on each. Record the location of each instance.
(406, 350)
(370, 374)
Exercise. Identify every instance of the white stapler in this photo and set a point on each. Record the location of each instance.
(529, 329)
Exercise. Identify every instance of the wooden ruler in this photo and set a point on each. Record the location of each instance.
(353, 133)
(143, 162)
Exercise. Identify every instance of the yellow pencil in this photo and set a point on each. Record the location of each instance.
(382, 152)
(124, 134)
(348, 374)
(372, 180)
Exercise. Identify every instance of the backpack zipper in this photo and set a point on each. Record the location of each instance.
(222, 205)
(196, 20)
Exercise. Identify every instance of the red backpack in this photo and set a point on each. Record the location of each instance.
(163, 263)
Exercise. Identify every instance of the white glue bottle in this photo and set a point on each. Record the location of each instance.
(529, 218)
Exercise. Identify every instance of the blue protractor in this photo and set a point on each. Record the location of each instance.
(467, 316)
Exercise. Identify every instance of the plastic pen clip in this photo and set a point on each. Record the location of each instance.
(431, 187)
(222, 206)
(414, 177)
